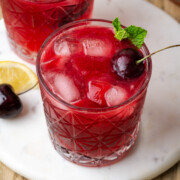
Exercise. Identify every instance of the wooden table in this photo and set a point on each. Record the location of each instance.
(172, 8)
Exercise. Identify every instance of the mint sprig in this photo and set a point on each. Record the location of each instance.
(135, 34)
(120, 33)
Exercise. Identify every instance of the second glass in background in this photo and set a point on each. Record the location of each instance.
(30, 22)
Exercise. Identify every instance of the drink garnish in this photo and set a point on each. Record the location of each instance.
(133, 33)
(18, 75)
(16, 79)
(10, 103)
(128, 63)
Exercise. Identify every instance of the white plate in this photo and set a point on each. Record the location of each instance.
(24, 143)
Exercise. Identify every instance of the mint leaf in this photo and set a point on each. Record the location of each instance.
(117, 25)
(121, 34)
(136, 35)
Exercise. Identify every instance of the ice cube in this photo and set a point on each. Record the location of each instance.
(61, 48)
(67, 46)
(97, 90)
(115, 96)
(65, 88)
(97, 47)
(49, 77)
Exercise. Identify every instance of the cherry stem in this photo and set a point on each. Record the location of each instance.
(29, 89)
(141, 60)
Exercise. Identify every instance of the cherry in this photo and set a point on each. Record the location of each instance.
(124, 63)
(74, 12)
(10, 104)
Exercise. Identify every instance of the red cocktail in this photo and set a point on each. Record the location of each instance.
(30, 22)
(93, 115)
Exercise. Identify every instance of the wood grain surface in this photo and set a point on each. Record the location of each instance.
(172, 8)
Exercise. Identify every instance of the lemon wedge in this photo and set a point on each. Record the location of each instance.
(19, 76)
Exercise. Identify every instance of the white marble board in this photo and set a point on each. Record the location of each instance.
(24, 143)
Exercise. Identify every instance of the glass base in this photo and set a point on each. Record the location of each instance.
(97, 162)
(22, 52)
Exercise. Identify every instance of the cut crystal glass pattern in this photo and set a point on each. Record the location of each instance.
(89, 138)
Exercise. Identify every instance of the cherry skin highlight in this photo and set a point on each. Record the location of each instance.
(10, 104)
(124, 63)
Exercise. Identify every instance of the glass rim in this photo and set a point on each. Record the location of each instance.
(43, 2)
(60, 100)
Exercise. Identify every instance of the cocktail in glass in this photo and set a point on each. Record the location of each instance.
(92, 115)
(30, 22)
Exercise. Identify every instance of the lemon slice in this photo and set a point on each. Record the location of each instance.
(19, 76)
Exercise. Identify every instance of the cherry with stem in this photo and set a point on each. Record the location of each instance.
(127, 63)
